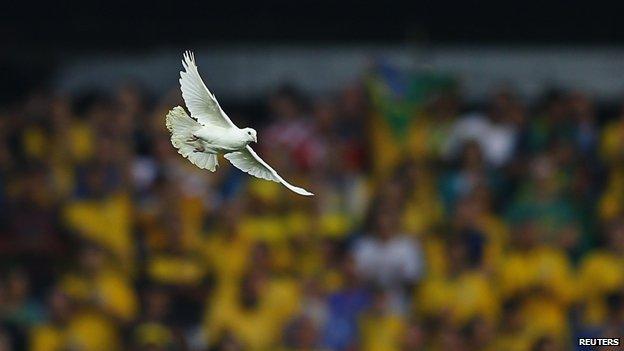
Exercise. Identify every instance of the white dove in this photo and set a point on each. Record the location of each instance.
(211, 131)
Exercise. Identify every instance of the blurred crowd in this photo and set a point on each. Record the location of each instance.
(490, 227)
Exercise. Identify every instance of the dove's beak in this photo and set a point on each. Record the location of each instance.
(255, 139)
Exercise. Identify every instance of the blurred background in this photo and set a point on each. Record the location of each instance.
(467, 161)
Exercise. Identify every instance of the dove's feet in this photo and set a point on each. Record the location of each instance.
(192, 139)
(199, 149)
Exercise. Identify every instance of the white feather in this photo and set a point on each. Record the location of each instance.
(199, 100)
(248, 161)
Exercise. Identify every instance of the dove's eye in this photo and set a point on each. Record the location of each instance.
(249, 133)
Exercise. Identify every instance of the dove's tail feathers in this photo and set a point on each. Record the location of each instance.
(204, 160)
(182, 126)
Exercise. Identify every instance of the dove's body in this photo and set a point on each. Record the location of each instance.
(211, 132)
(221, 140)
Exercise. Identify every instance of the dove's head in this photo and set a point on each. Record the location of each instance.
(251, 134)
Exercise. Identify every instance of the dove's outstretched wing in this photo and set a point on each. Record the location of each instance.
(248, 161)
(199, 100)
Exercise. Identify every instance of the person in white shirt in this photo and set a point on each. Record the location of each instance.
(387, 258)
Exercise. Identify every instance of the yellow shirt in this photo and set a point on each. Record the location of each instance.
(423, 211)
(153, 334)
(612, 142)
(47, 338)
(192, 216)
(259, 328)
(601, 272)
(86, 331)
(81, 141)
(542, 267)
(35, 142)
(496, 238)
(610, 203)
(335, 225)
(382, 333)
(435, 253)
(542, 317)
(520, 341)
(464, 297)
(176, 269)
(110, 289)
(107, 222)
(269, 228)
(90, 331)
(227, 256)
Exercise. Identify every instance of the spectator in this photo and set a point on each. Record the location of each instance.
(388, 258)
(19, 311)
(345, 306)
(601, 274)
(495, 133)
